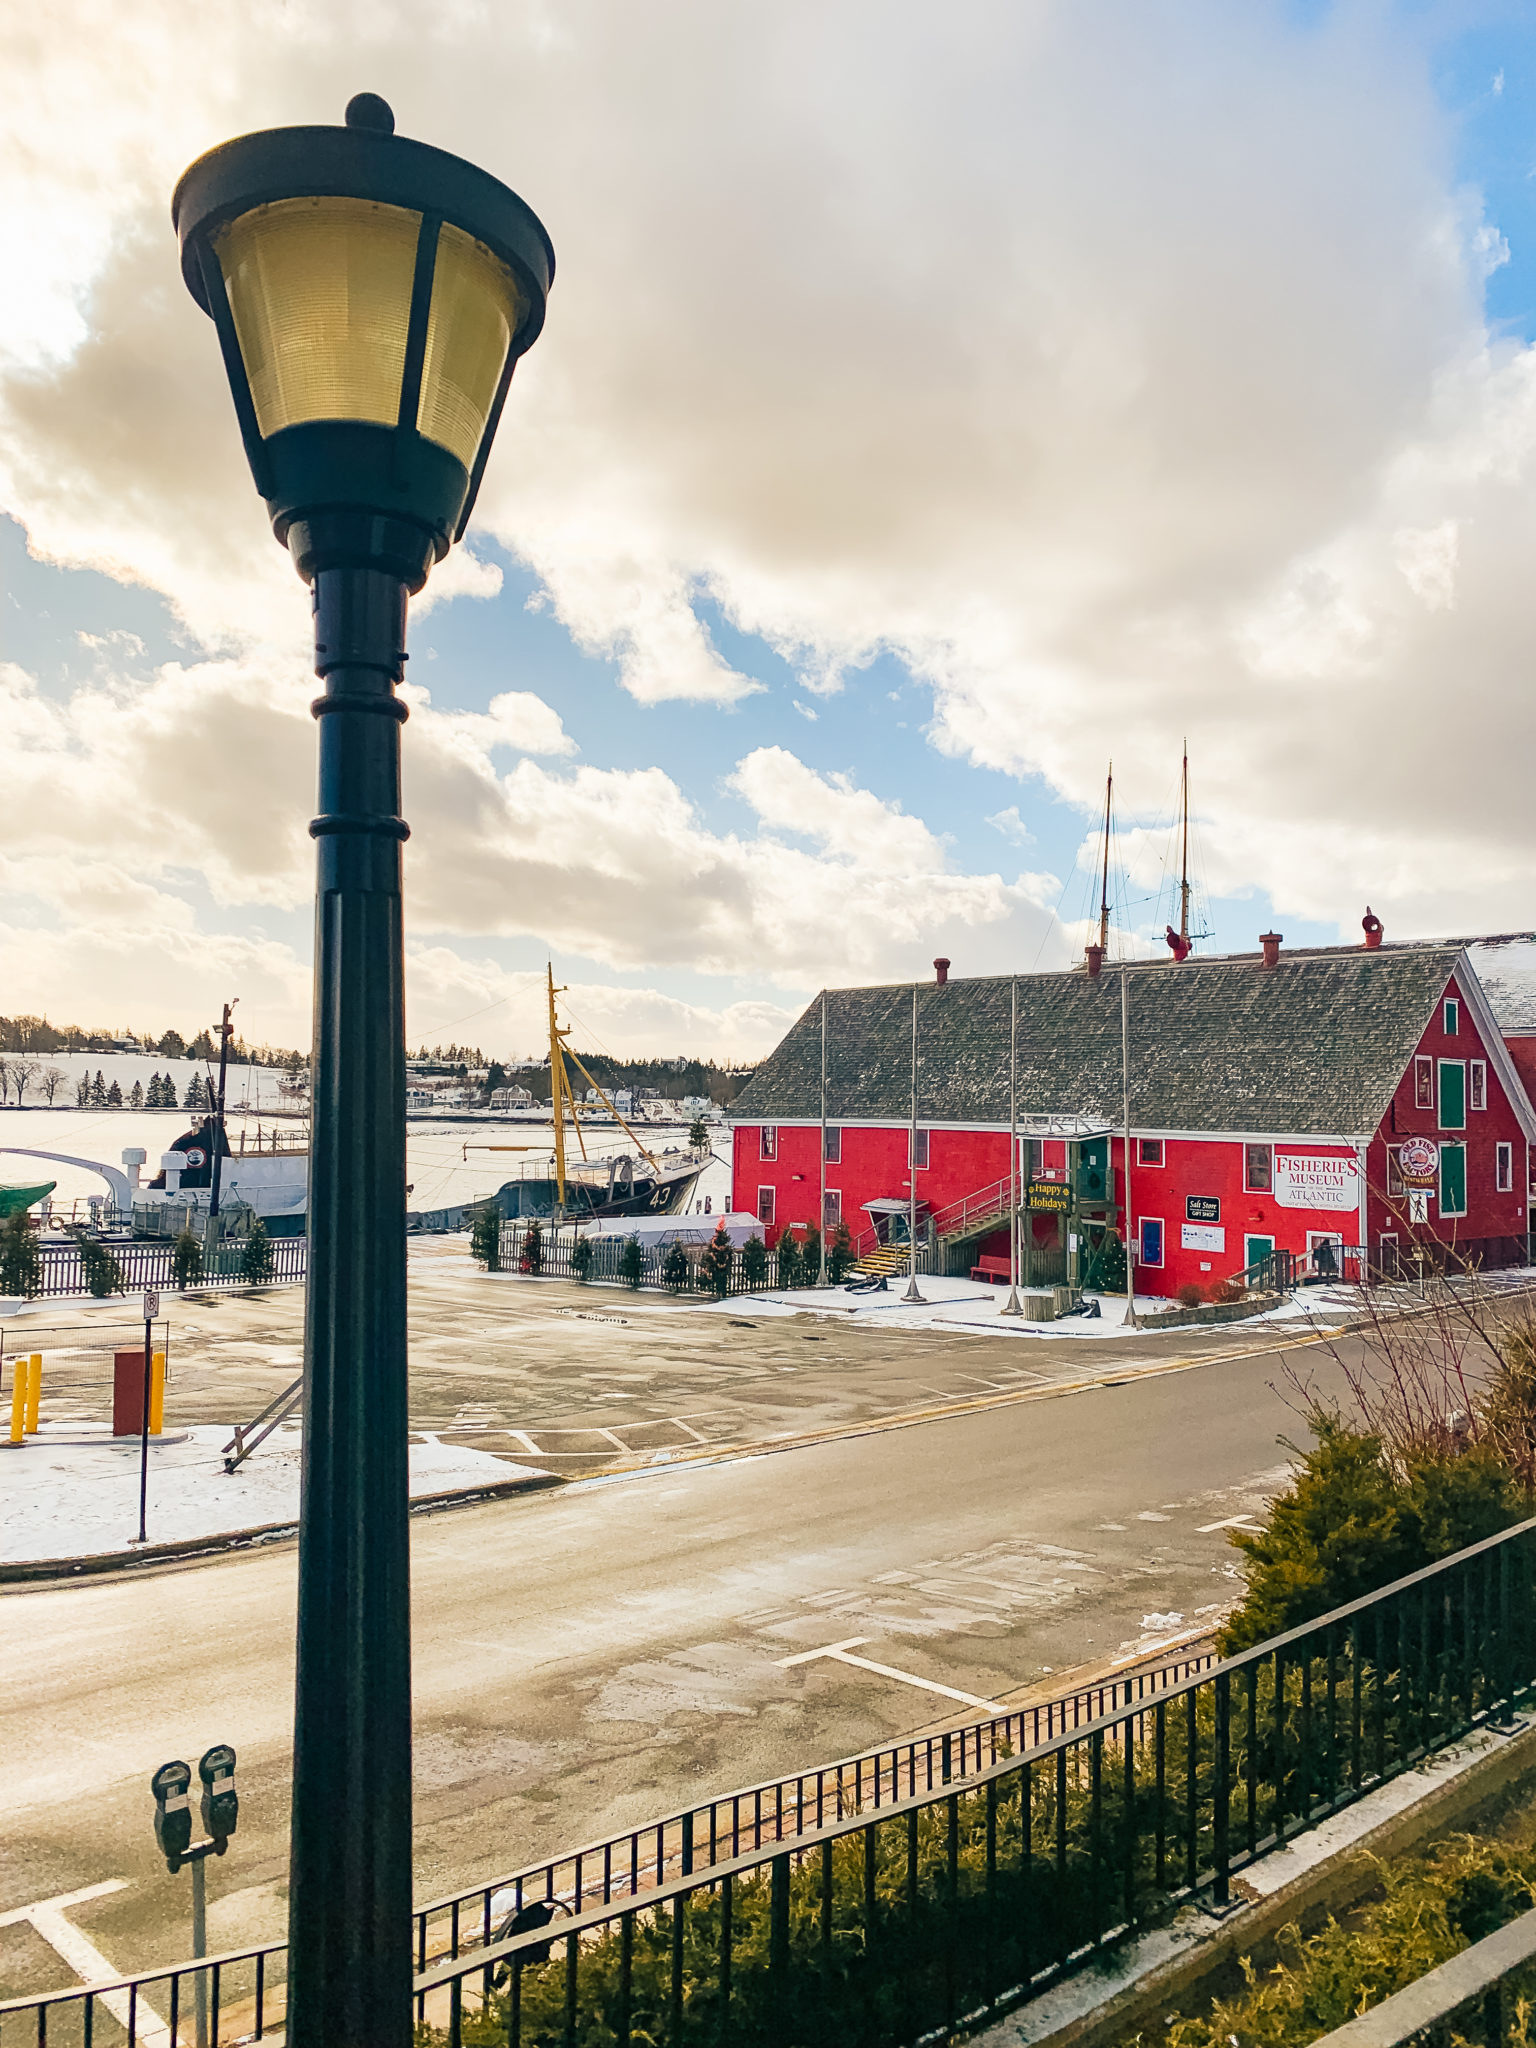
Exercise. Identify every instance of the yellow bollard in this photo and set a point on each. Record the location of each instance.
(157, 1393)
(34, 1391)
(20, 1375)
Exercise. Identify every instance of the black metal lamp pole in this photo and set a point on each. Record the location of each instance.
(371, 297)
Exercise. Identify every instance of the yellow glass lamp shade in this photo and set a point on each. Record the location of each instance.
(320, 295)
(475, 310)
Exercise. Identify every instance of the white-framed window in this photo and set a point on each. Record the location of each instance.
(831, 1209)
(1423, 1082)
(1477, 1084)
(1504, 1168)
(765, 1205)
(1396, 1185)
(917, 1146)
(1258, 1168)
(1453, 1095)
(1452, 1017)
(1151, 1233)
(832, 1145)
(1453, 1180)
(768, 1142)
(1149, 1152)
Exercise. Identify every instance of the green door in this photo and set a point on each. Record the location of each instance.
(1453, 1180)
(1256, 1248)
(1453, 1095)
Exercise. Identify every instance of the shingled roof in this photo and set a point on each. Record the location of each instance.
(1315, 1045)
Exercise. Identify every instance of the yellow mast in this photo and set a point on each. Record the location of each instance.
(1184, 860)
(1109, 790)
(557, 1093)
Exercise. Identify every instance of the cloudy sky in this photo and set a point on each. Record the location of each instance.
(934, 402)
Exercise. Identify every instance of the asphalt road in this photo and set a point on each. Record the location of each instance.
(588, 1658)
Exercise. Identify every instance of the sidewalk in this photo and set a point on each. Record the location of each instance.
(72, 1491)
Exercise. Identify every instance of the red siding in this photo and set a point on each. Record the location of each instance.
(1489, 1213)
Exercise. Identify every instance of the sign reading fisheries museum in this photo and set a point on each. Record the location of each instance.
(1053, 1196)
(1316, 1180)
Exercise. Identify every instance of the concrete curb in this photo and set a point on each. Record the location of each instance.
(1329, 1866)
(43, 1570)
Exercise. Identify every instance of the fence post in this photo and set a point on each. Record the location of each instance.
(778, 1946)
(1221, 1792)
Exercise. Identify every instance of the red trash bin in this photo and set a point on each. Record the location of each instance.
(128, 1393)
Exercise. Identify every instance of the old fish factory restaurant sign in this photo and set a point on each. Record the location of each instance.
(1313, 1180)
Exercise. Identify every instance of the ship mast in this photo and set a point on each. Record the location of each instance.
(557, 1092)
(1109, 791)
(1184, 857)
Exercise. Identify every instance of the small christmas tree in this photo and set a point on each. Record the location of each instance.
(98, 1092)
(717, 1262)
(698, 1135)
(789, 1260)
(632, 1262)
(256, 1261)
(581, 1258)
(21, 1267)
(1106, 1270)
(193, 1099)
(115, 1096)
(98, 1268)
(485, 1238)
(839, 1254)
(754, 1261)
(533, 1247)
(83, 1092)
(186, 1261)
(136, 1095)
(810, 1255)
(674, 1268)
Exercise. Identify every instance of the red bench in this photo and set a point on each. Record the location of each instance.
(990, 1269)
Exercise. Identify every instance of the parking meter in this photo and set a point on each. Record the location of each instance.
(221, 1802)
(173, 1812)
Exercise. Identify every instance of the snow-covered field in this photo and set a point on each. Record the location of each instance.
(74, 1492)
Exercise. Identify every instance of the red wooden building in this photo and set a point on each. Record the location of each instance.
(1272, 1097)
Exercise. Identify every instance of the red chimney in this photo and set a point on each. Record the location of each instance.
(1370, 924)
(1095, 956)
(941, 972)
(1271, 942)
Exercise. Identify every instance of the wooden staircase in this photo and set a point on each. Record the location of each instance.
(882, 1262)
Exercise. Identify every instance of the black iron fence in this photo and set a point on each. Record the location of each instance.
(889, 1904)
(65, 1272)
(564, 1253)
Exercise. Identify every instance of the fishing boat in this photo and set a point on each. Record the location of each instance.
(551, 1186)
(16, 1197)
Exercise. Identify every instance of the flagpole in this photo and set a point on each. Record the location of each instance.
(1013, 1306)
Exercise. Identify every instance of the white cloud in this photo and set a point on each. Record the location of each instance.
(1012, 826)
(1122, 370)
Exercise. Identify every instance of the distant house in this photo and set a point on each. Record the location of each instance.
(1342, 1096)
(418, 1098)
(511, 1098)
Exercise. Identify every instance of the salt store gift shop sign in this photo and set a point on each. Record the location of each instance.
(1314, 1180)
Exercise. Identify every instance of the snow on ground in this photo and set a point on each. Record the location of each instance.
(960, 1304)
(73, 1491)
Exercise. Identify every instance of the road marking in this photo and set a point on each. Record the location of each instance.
(839, 1652)
(1232, 1522)
(1189, 1635)
(46, 1917)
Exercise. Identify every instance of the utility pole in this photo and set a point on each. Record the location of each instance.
(226, 1033)
(1013, 1306)
(821, 1225)
(1125, 1113)
(912, 1293)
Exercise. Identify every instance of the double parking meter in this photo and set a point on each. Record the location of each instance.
(171, 1786)
(173, 1812)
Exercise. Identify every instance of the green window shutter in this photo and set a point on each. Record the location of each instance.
(1453, 1180)
(1453, 1096)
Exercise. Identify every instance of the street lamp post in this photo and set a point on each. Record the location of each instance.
(371, 296)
